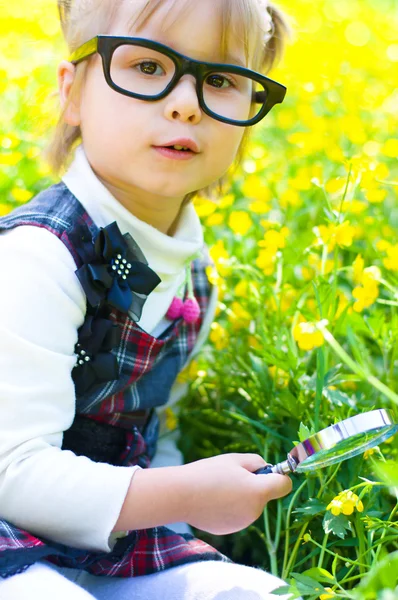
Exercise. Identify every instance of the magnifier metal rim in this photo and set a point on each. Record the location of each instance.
(327, 438)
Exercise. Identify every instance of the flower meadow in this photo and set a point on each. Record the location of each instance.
(304, 241)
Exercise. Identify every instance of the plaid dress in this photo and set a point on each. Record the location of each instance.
(121, 374)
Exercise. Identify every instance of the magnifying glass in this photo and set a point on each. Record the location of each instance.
(337, 443)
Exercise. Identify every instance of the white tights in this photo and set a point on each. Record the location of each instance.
(207, 580)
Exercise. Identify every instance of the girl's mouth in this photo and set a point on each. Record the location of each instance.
(170, 152)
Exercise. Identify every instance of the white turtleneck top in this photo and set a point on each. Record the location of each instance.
(48, 491)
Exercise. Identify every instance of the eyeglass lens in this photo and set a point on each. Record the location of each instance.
(148, 72)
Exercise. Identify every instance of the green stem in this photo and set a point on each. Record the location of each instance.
(320, 379)
(383, 534)
(292, 558)
(361, 540)
(324, 485)
(278, 524)
(344, 558)
(357, 369)
(270, 546)
(322, 553)
(287, 527)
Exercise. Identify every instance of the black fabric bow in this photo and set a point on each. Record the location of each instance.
(115, 271)
(95, 363)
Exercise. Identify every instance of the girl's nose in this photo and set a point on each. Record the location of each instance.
(183, 99)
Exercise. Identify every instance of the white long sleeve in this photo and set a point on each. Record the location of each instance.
(48, 491)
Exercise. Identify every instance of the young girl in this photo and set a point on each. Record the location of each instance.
(105, 300)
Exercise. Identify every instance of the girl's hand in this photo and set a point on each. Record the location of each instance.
(224, 495)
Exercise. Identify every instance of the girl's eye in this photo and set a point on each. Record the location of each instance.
(218, 79)
(147, 67)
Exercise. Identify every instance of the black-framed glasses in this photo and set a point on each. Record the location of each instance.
(148, 70)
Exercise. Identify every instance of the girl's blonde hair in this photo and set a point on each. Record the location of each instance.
(83, 19)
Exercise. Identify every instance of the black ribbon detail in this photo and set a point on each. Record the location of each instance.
(115, 271)
(95, 363)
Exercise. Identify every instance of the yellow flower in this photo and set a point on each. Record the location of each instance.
(331, 234)
(358, 266)
(226, 201)
(189, 373)
(171, 419)
(391, 262)
(254, 187)
(240, 222)
(370, 275)
(204, 207)
(214, 219)
(221, 258)
(367, 293)
(259, 206)
(4, 209)
(365, 296)
(344, 233)
(218, 335)
(370, 451)
(254, 342)
(343, 301)
(307, 273)
(239, 317)
(280, 377)
(287, 296)
(273, 239)
(336, 185)
(244, 288)
(375, 195)
(345, 502)
(10, 158)
(330, 594)
(266, 260)
(354, 206)
(307, 336)
(390, 148)
(382, 245)
(290, 197)
(21, 195)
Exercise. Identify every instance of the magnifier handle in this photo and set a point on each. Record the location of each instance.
(284, 468)
(264, 470)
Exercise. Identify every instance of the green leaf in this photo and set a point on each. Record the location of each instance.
(304, 433)
(332, 374)
(307, 585)
(382, 576)
(281, 591)
(338, 398)
(319, 574)
(387, 472)
(312, 507)
(336, 524)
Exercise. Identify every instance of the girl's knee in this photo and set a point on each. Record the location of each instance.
(40, 582)
(225, 581)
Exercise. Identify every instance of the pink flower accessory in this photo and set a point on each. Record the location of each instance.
(189, 308)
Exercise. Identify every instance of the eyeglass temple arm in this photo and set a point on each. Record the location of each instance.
(261, 97)
(84, 51)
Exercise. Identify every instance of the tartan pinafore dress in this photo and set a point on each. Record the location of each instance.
(121, 374)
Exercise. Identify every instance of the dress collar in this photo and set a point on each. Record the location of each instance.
(166, 255)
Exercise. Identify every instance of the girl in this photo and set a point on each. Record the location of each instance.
(107, 300)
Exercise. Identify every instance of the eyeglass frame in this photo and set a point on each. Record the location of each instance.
(105, 46)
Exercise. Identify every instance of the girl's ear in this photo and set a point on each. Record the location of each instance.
(66, 74)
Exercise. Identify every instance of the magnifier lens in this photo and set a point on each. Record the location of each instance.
(347, 448)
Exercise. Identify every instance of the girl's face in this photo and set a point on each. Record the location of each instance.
(119, 132)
